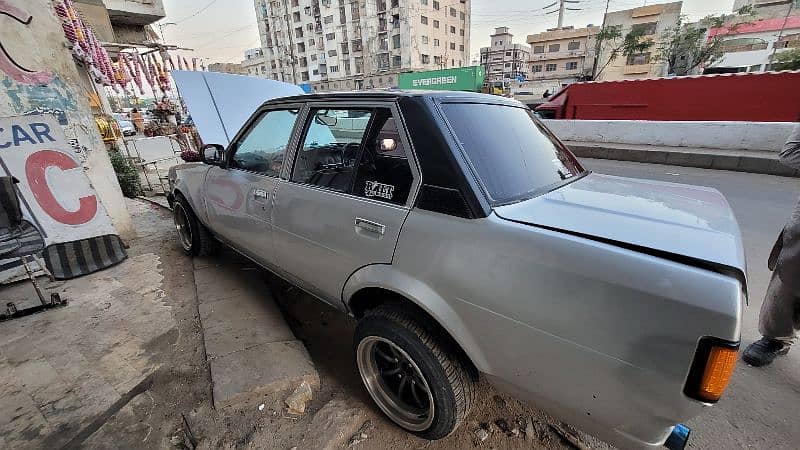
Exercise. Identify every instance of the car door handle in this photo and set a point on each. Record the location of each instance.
(260, 194)
(372, 227)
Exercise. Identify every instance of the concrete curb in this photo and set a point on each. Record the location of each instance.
(250, 349)
(736, 160)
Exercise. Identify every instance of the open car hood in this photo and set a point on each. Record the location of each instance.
(220, 103)
(671, 219)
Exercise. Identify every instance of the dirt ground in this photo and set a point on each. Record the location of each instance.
(172, 408)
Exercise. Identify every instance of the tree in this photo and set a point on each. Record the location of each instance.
(787, 60)
(685, 47)
(611, 40)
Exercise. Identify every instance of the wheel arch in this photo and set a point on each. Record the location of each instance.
(378, 284)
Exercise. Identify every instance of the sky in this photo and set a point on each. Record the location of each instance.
(221, 30)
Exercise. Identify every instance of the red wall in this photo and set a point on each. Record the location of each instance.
(749, 97)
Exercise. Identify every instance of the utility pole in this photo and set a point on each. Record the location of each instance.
(562, 8)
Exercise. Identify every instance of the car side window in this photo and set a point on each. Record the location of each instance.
(383, 170)
(263, 148)
(331, 144)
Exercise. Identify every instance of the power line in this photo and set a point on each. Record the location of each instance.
(197, 12)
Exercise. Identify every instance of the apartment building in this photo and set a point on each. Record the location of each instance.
(122, 21)
(770, 9)
(566, 54)
(254, 63)
(360, 44)
(232, 68)
(749, 47)
(653, 20)
(504, 60)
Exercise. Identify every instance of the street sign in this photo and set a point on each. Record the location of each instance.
(458, 79)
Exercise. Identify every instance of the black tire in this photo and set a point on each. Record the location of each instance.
(200, 242)
(450, 378)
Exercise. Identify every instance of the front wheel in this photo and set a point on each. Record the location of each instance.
(413, 374)
(194, 237)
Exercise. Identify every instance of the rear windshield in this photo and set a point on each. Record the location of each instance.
(514, 156)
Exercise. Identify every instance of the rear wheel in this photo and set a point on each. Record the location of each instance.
(195, 239)
(413, 373)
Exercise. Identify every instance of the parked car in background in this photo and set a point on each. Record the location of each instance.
(467, 240)
(127, 128)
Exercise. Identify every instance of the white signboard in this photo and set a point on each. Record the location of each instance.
(56, 196)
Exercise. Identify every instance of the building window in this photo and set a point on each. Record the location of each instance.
(303, 61)
(435, 5)
(638, 59)
(646, 29)
(424, 39)
(395, 3)
(333, 68)
(328, 19)
(396, 41)
(423, 2)
(301, 47)
(315, 72)
(536, 68)
(452, 46)
(461, 32)
(461, 47)
(332, 53)
(461, 15)
(426, 59)
(330, 36)
(435, 24)
(551, 67)
(452, 12)
(423, 20)
(304, 76)
(538, 49)
(554, 48)
(572, 65)
(507, 64)
(452, 29)
(437, 60)
(435, 42)
(574, 45)
(298, 32)
(508, 53)
(396, 61)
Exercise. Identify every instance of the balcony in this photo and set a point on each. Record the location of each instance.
(135, 12)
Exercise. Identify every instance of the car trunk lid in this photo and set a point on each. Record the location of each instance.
(672, 220)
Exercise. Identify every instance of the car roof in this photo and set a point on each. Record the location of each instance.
(394, 95)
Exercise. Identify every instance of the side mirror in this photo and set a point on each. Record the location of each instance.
(212, 154)
(388, 145)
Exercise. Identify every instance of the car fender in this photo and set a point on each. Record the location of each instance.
(188, 180)
(387, 277)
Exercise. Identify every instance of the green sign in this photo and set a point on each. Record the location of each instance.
(460, 79)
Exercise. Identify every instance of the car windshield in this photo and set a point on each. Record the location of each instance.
(513, 155)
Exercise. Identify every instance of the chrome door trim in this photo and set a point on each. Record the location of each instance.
(370, 226)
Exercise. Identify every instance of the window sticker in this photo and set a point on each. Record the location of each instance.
(375, 189)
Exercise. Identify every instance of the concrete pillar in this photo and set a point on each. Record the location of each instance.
(61, 87)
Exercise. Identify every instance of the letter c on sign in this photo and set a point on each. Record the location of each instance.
(36, 168)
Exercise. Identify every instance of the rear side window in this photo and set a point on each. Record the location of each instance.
(331, 147)
(356, 151)
(514, 156)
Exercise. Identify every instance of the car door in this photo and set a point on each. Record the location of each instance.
(239, 194)
(347, 195)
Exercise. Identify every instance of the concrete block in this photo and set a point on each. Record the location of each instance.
(230, 337)
(260, 370)
(725, 162)
(334, 424)
(755, 165)
(688, 159)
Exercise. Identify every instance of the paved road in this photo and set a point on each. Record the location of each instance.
(762, 406)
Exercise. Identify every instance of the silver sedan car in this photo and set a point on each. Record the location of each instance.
(470, 242)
